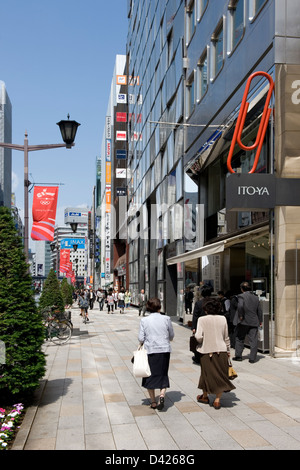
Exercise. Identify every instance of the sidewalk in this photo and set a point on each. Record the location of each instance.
(89, 399)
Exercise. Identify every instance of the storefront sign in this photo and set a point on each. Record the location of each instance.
(258, 191)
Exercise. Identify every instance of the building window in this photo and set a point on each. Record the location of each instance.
(190, 21)
(217, 50)
(236, 23)
(190, 95)
(202, 75)
(201, 7)
(255, 7)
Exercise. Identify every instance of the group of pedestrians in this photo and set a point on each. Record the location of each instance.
(213, 320)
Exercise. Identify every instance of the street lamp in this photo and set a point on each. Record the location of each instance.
(68, 131)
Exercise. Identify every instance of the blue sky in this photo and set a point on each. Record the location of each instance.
(57, 57)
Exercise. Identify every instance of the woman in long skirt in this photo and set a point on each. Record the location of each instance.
(156, 332)
(214, 348)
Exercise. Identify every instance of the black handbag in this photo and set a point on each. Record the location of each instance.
(193, 344)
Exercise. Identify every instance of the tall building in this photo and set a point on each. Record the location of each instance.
(5, 154)
(188, 66)
(113, 197)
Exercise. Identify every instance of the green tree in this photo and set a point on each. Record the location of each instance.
(51, 294)
(66, 290)
(21, 328)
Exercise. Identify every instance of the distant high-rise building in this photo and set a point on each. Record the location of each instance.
(5, 154)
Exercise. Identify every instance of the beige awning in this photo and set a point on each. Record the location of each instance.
(216, 247)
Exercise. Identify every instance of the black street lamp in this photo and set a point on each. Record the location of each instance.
(68, 131)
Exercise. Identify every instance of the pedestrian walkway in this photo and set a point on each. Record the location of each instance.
(90, 400)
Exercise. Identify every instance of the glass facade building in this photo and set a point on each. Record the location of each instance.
(188, 63)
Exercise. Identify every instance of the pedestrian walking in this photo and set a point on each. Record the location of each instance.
(121, 300)
(214, 348)
(115, 296)
(249, 319)
(156, 332)
(110, 302)
(142, 302)
(197, 313)
(188, 300)
(100, 298)
(91, 298)
(127, 299)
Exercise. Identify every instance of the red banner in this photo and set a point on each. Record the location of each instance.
(44, 212)
(64, 261)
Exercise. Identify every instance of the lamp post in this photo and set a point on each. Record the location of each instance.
(68, 131)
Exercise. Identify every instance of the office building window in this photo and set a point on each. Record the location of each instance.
(255, 6)
(202, 75)
(190, 95)
(201, 7)
(217, 50)
(236, 23)
(190, 21)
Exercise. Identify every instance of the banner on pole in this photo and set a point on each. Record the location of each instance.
(44, 212)
(64, 261)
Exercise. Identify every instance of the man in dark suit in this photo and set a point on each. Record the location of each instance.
(249, 314)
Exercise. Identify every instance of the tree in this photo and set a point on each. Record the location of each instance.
(21, 328)
(66, 290)
(51, 293)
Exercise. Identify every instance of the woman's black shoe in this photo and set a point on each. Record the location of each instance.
(161, 403)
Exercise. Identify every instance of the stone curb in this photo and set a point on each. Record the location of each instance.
(23, 432)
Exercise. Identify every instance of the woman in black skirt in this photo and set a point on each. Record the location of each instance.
(214, 348)
(156, 332)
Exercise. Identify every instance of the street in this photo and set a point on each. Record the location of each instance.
(90, 400)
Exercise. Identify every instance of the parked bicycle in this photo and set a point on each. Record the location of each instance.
(58, 325)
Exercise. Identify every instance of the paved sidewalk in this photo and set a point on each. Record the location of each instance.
(90, 400)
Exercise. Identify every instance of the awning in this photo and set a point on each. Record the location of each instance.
(216, 247)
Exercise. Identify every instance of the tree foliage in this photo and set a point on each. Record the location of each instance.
(22, 332)
(66, 290)
(51, 294)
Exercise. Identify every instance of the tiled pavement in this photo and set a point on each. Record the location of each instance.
(90, 400)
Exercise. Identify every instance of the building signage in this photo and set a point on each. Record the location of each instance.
(108, 150)
(121, 192)
(68, 243)
(121, 135)
(108, 127)
(121, 80)
(258, 191)
(121, 173)
(121, 98)
(121, 117)
(121, 154)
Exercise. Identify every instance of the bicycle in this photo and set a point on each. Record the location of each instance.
(58, 327)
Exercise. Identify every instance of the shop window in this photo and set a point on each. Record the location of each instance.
(217, 50)
(236, 23)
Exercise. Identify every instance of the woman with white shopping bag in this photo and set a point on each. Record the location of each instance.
(156, 332)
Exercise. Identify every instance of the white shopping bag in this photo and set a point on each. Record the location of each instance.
(140, 364)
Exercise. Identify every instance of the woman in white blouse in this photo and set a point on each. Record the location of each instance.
(214, 348)
(156, 332)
